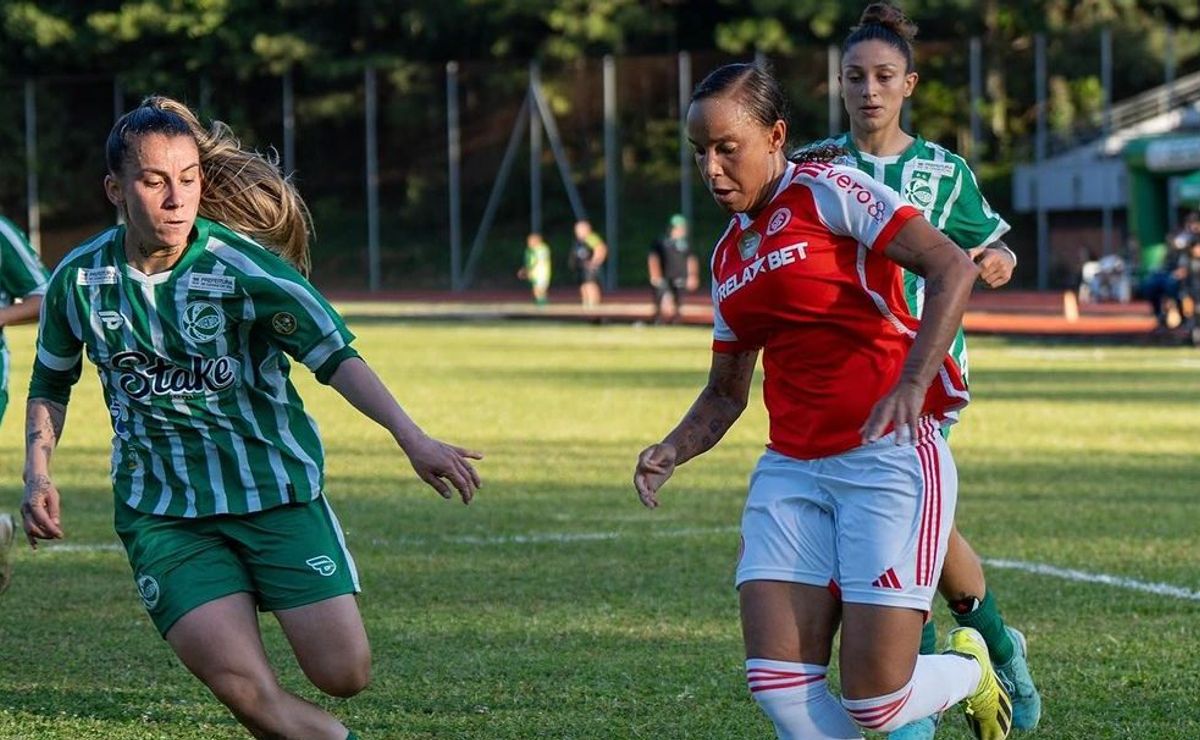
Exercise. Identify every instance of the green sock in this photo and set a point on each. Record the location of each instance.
(929, 638)
(352, 736)
(986, 618)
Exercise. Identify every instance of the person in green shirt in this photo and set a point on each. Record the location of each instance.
(536, 269)
(877, 75)
(23, 276)
(190, 312)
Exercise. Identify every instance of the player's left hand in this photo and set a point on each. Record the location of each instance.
(437, 462)
(901, 409)
(996, 264)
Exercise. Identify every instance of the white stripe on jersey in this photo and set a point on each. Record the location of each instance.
(54, 362)
(877, 299)
(303, 297)
(136, 429)
(93, 314)
(220, 498)
(721, 330)
(173, 437)
(243, 399)
(275, 380)
(948, 208)
(29, 261)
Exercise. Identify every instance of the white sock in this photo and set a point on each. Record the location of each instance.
(938, 682)
(796, 698)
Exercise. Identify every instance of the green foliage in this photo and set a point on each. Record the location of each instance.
(555, 606)
(28, 23)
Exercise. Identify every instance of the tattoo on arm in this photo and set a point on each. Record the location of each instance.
(717, 407)
(934, 287)
(43, 430)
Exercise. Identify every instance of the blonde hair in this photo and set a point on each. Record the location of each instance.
(243, 189)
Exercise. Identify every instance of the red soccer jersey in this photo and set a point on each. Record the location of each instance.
(807, 282)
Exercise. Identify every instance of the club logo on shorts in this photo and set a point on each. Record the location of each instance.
(149, 591)
(322, 564)
(918, 192)
(201, 321)
(283, 323)
(748, 244)
(779, 219)
(111, 320)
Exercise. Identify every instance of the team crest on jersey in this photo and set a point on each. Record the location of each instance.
(201, 321)
(112, 320)
(283, 323)
(149, 591)
(779, 220)
(918, 192)
(748, 244)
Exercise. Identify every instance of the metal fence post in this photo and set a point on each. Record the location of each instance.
(372, 154)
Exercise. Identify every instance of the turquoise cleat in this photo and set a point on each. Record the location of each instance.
(1026, 701)
(921, 729)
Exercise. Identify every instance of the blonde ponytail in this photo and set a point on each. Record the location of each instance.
(245, 190)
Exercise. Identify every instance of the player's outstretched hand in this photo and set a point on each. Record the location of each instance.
(40, 512)
(654, 467)
(901, 409)
(995, 265)
(443, 465)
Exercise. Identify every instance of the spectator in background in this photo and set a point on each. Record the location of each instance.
(23, 276)
(537, 267)
(587, 254)
(1190, 261)
(1167, 282)
(672, 268)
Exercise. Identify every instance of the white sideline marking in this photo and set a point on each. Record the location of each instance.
(558, 537)
(1070, 574)
(80, 548)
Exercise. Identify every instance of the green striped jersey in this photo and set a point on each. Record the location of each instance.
(193, 363)
(941, 185)
(21, 273)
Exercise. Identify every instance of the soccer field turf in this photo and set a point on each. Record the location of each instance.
(555, 606)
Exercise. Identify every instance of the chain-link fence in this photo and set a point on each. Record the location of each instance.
(329, 143)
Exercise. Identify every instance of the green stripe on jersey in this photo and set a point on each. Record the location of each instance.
(195, 370)
(942, 186)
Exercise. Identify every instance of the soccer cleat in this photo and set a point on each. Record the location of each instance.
(8, 531)
(921, 729)
(1017, 681)
(988, 709)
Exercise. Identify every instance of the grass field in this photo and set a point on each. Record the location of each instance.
(556, 607)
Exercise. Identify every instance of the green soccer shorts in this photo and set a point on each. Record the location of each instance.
(286, 556)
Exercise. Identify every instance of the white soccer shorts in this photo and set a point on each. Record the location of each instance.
(871, 524)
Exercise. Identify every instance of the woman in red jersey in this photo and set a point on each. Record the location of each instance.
(849, 509)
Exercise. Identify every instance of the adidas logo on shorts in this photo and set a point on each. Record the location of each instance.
(887, 580)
